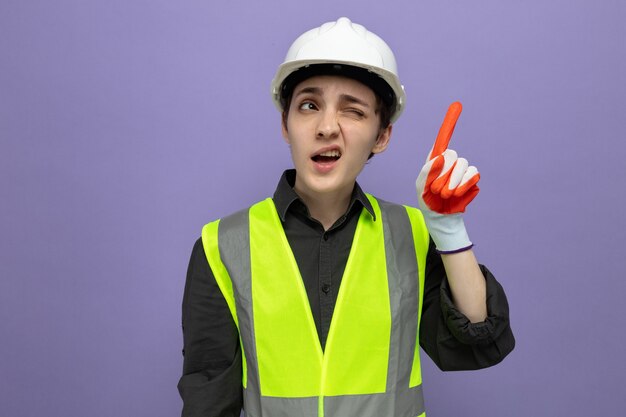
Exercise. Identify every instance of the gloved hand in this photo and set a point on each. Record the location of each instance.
(445, 186)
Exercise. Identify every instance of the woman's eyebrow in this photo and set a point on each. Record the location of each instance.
(352, 99)
(309, 90)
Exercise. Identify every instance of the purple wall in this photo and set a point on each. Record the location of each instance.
(127, 125)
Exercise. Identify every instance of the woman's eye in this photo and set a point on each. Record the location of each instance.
(356, 112)
(307, 105)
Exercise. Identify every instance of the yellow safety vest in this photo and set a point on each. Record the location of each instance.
(370, 366)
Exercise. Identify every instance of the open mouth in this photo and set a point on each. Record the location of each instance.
(327, 156)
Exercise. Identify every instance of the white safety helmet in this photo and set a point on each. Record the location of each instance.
(342, 48)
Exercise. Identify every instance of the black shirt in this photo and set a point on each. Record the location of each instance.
(211, 381)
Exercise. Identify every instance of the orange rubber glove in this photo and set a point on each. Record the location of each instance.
(445, 186)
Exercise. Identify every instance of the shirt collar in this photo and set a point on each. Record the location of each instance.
(285, 196)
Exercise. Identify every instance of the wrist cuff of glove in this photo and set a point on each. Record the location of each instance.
(450, 252)
(448, 232)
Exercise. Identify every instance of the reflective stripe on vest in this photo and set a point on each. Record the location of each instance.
(370, 366)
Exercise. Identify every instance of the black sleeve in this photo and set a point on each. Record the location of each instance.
(211, 381)
(448, 337)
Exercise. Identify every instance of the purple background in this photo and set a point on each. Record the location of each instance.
(127, 125)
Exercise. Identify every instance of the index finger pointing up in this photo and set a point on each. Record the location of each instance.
(447, 127)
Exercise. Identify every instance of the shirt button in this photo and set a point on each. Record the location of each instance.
(325, 236)
(325, 288)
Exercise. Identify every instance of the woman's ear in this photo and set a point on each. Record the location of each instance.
(383, 140)
(283, 127)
